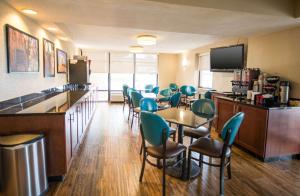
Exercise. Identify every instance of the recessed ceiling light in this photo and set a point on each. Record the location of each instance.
(63, 38)
(146, 40)
(136, 49)
(29, 11)
(52, 29)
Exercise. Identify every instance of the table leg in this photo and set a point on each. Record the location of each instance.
(180, 134)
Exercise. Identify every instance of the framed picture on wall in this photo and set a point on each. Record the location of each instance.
(22, 51)
(49, 58)
(62, 61)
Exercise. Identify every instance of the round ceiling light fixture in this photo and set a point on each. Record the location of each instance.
(136, 49)
(146, 40)
(29, 11)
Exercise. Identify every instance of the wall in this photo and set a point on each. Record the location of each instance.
(187, 72)
(167, 69)
(276, 53)
(279, 54)
(17, 84)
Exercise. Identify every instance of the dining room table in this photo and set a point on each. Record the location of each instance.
(183, 118)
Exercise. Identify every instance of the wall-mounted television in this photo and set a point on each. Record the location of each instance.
(226, 59)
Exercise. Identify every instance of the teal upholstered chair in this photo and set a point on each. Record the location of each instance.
(155, 90)
(218, 149)
(148, 88)
(129, 91)
(204, 108)
(188, 92)
(173, 87)
(125, 97)
(208, 95)
(135, 99)
(166, 93)
(175, 100)
(150, 105)
(155, 132)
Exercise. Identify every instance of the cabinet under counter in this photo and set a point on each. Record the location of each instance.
(267, 132)
(63, 119)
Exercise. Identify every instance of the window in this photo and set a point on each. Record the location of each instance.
(205, 75)
(121, 69)
(146, 70)
(205, 78)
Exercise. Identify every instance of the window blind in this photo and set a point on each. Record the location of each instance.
(146, 63)
(121, 62)
(99, 61)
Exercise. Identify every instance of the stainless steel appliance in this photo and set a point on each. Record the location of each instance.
(284, 92)
(23, 169)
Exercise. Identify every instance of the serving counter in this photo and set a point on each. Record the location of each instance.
(63, 117)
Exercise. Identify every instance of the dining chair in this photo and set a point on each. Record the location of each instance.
(166, 93)
(173, 87)
(208, 95)
(155, 132)
(214, 148)
(148, 88)
(125, 97)
(155, 90)
(204, 108)
(135, 99)
(150, 105)
(175, 100)
(129, 91)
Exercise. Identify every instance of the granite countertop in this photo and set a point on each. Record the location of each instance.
(251, 103)
(50, 103)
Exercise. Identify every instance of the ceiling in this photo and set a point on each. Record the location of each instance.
(179, 25)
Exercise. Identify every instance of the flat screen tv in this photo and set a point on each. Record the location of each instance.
(226, 59)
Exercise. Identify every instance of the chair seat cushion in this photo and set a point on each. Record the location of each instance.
(209, 147)
(137, 110)
(196, 133)
(172, 150)
(164, 99)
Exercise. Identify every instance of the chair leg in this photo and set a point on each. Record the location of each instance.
(141, 150)
(189, 164)
(158, 164)
(143, 166)
(191, 140)
(174, 137)
(200, 160)
(164, 177)
(132, 119)
(229, 168)
(128, 113)
(183, 165)
(222, 178)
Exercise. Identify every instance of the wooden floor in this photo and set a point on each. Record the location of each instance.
(108, 163)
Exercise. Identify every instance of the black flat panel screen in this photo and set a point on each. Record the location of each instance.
(227, 58)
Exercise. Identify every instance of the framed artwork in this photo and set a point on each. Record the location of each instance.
(62, 61)
(22, 51)
(49, 58)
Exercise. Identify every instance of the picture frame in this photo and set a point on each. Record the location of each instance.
(22, 50)
(49, 58)
(61, 61)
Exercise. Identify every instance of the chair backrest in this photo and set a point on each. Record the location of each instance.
(165, 92)
(204, 108)
(173, 86)
(155, 90)
(129, 91)
(233, 124)
(152, 128)
(183, 89)
(148, 88)
(136, 98)
(125, 87)
(190, 91)
(207, 95)
(148, 104)
(175, 100)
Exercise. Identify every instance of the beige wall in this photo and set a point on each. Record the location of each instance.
(167, 69)
(275, 53)
(17, 84)
(279, 54)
